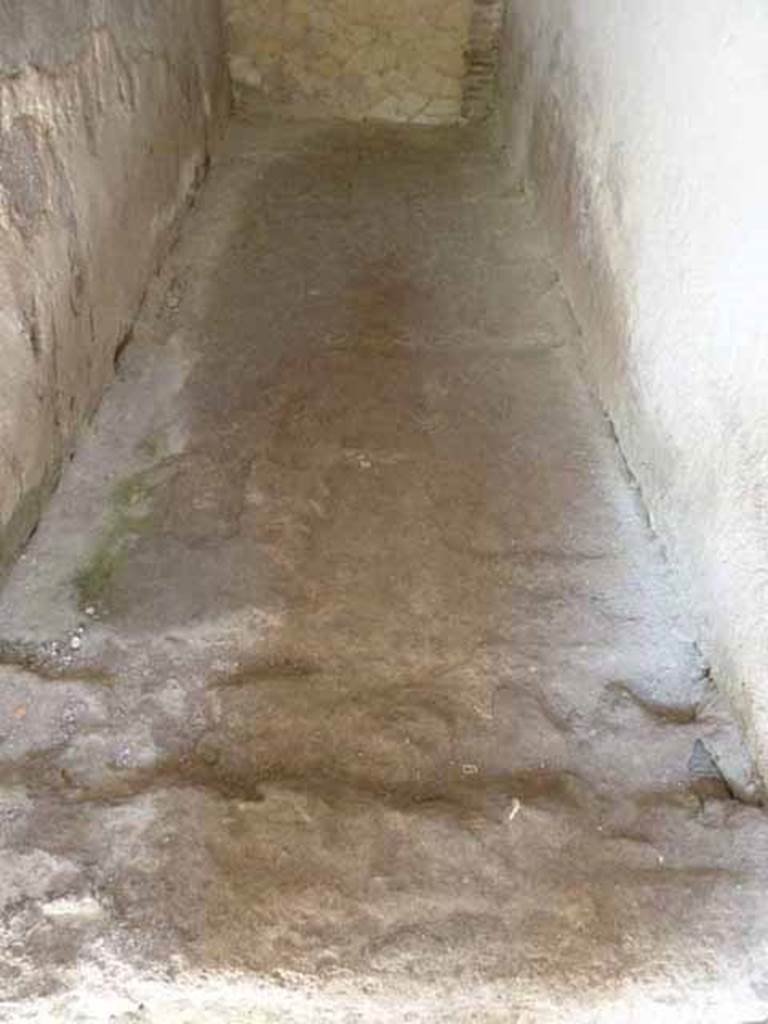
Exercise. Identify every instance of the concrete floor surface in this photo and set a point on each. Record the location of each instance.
(344, 679)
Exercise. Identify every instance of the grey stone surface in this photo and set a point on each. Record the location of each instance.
(390, 60)
(108, 111)
(383, 708)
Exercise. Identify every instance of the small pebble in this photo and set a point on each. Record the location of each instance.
(123, 758)
(76, 643)
(90, 610)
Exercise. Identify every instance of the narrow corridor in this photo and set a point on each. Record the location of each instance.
(345, 651)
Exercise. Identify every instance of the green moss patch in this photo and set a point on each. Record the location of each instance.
(130, 516)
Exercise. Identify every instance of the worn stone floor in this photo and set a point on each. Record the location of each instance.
(345, 679)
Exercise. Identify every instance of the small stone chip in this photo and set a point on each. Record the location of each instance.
(73, 906)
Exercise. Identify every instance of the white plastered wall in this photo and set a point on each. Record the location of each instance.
(643, 129)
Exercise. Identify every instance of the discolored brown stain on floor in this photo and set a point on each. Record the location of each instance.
(344, 679)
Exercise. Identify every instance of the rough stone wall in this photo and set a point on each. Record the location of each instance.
(639, 126)
(482, 59)
(390, 59)
(107, 112)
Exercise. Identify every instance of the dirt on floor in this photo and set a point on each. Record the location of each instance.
(345, 679)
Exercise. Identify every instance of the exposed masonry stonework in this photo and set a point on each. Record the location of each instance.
(107, 112)
(482, 58)
(383, 59)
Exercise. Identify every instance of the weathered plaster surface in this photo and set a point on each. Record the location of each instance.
(107, 111)
(639, 126)
(388, 59)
